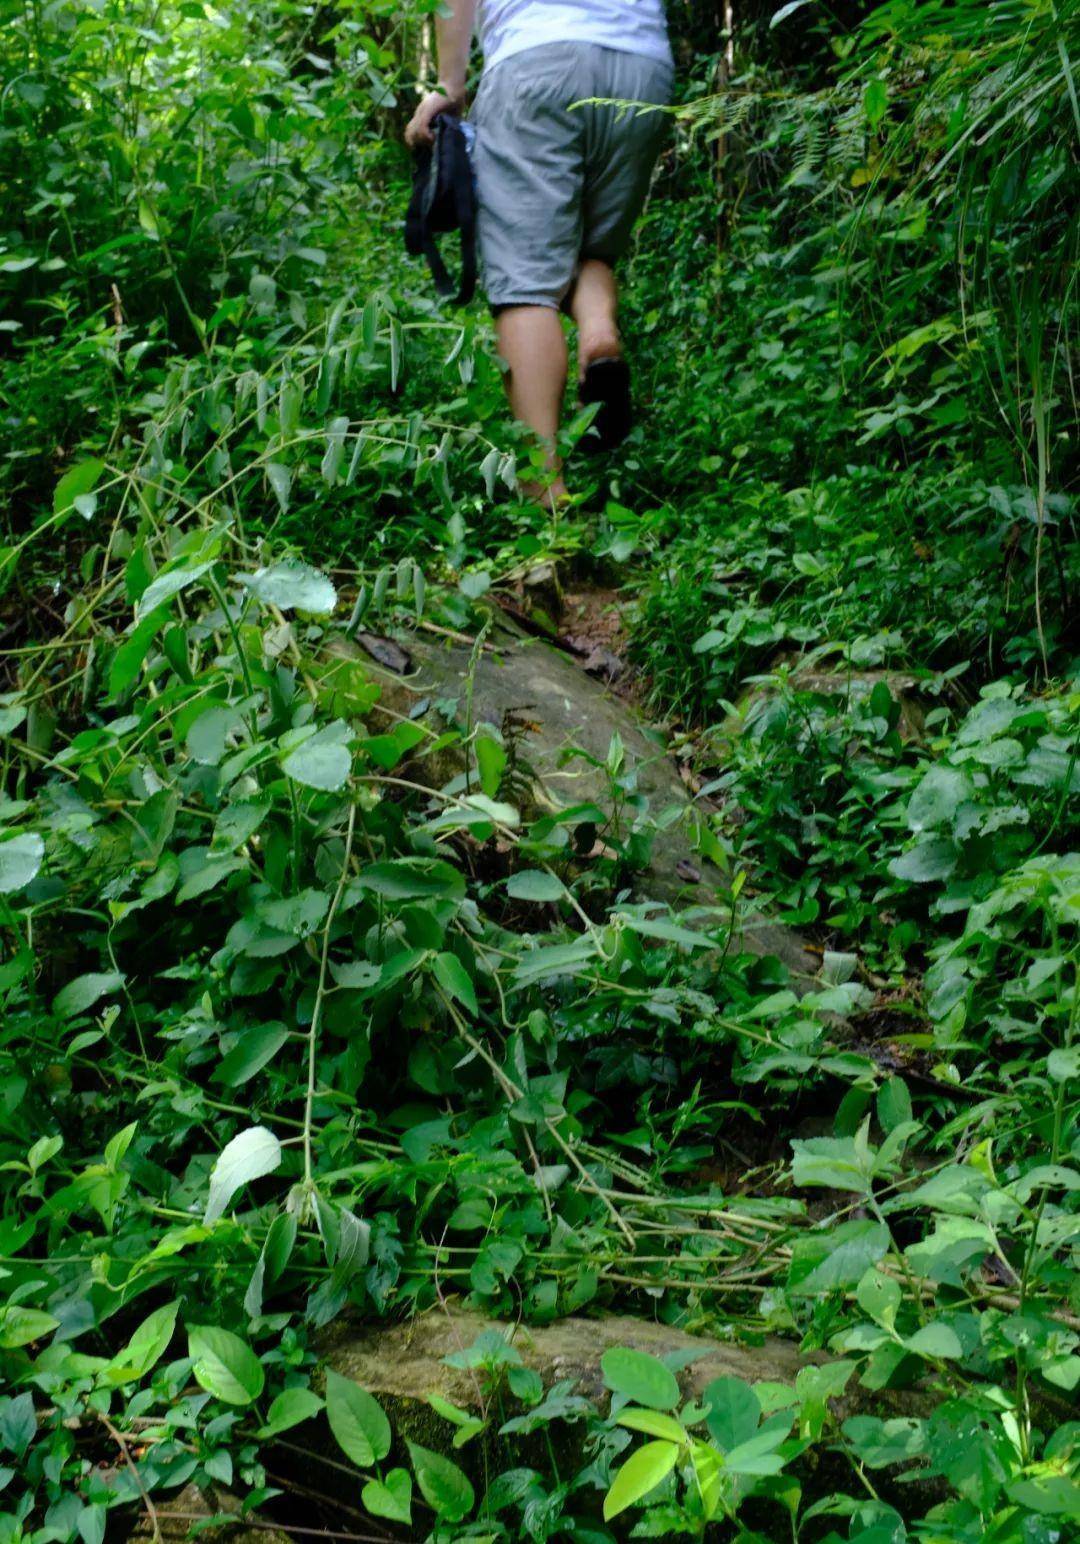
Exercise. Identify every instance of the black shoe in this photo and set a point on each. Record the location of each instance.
(607, 381)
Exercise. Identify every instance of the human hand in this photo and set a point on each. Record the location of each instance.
(419, 129)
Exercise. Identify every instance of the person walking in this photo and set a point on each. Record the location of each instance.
(559, 186)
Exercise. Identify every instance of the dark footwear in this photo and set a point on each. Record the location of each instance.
(607, 381)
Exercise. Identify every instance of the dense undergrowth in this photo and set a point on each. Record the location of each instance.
(297, 1025)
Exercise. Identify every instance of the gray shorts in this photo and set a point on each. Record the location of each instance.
(557, 184)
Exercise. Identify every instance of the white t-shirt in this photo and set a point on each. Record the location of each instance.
(634, 26)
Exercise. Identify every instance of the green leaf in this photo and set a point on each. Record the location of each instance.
(251, 1053)
(641, 1473)
(455, 981)
(934, 858)
(146, 1347)
(413, 879)
(289, 1409)
(491, 761)
(936, 1340)
(20, 860)
(878, 1443)
(76, 482)
(654, 1423)
(357, 1420)
(128, 659)
(170, 583)
(1062, 1065)
(838, 1258)
(250, 1155)
(875, 102)
(80, 995)
(19, 1326)
(280, 479)
(832, 1161)
(535, 885)
(293, 586)
(442, 1484)
(734, 1412)
(758, 1455)
(224, 1365)
(390, 1497)
(937, 798)
(640, 1377)
(879, 1297)
(321, 761)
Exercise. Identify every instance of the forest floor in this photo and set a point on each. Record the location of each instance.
(506, 953)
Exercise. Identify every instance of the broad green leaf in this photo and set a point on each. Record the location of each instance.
(654, 1423)
(937, 798)
(442, 1484)
(224, 1365)
(80, 995)
(875, 101)
(129, 656)
(250, 1155)
(20, 860)
(491, 761)
(455, 980)
(833, 1161)
(936, 1340)
(758, 1455)
(91, 1523)
(535, 885)
(641, 1473)
(390, 1497)
(1061, 1065)
(322, 761)
(146, 1347)
(932, 858)
(879, 1297)
(734, 1412)
(356, 1420)
(413, 879)
(255, 1048)
(20, 1326)
(290, 1408)
(170, 583)
(293, 586)
(640, 1377)
(878, 1443)
(77, 481)
(838, 1258)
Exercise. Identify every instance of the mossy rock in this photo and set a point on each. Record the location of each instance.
(522, 681)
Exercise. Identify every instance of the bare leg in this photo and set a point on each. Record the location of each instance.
(532, 343)
(594, 305)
